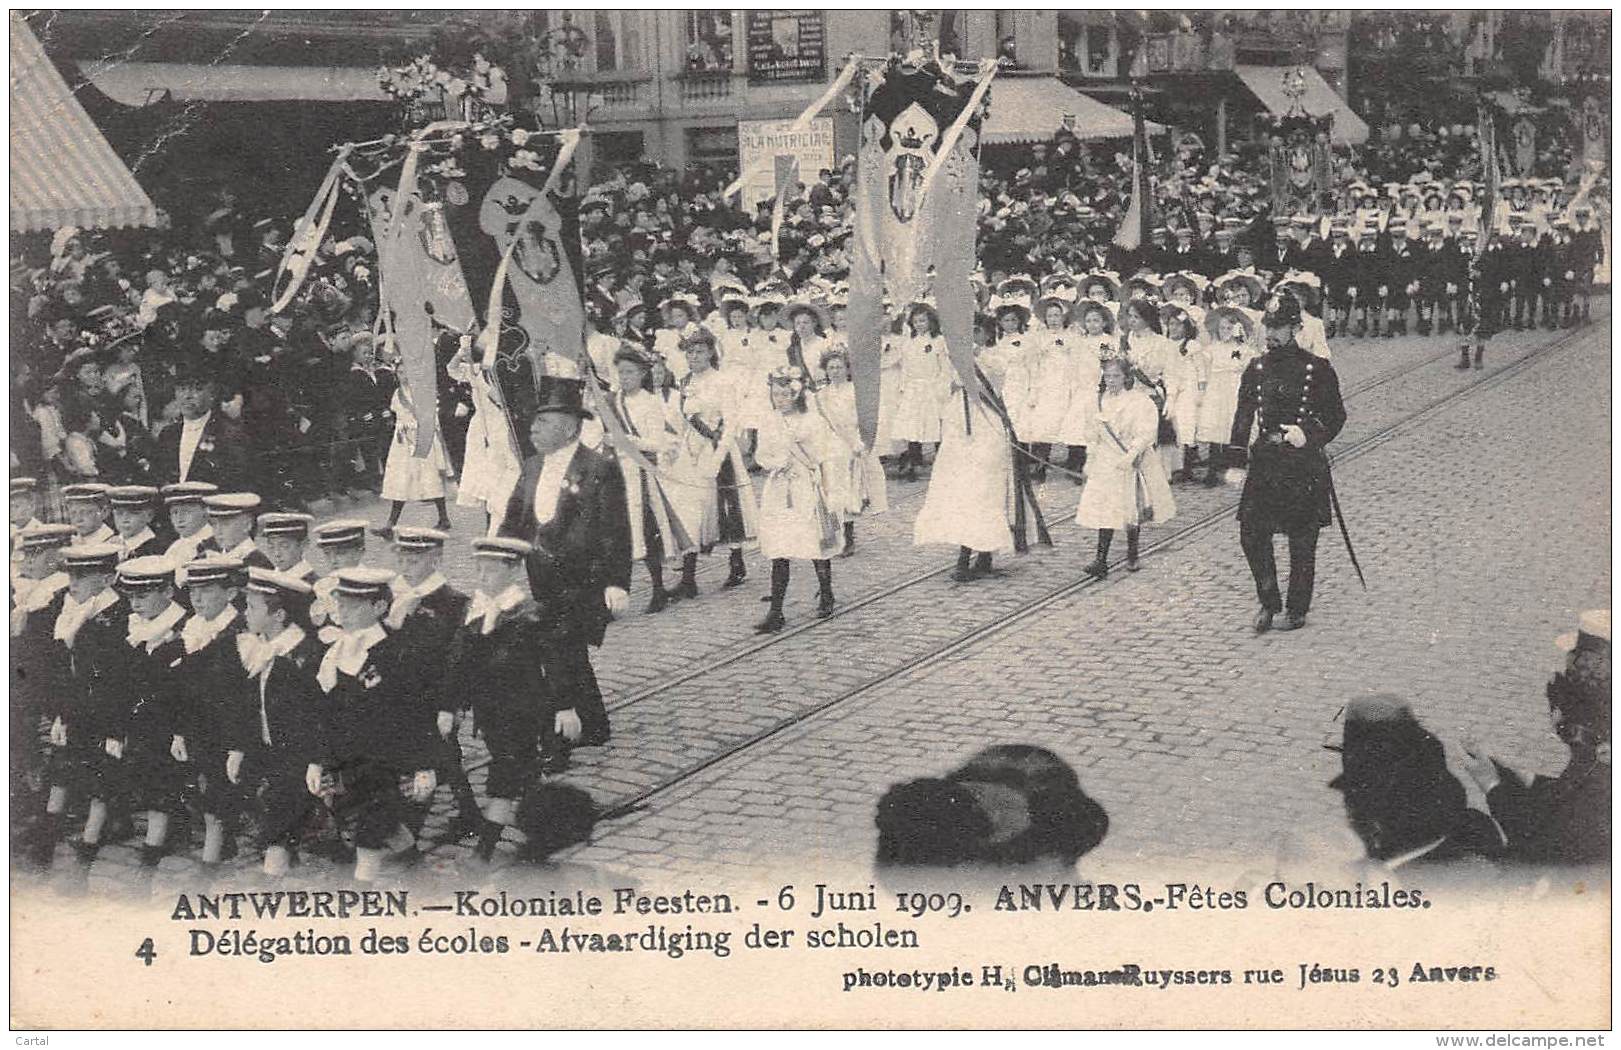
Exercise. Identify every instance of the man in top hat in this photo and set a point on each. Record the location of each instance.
(135, 520)
(85, 505)
(379, 723)
(273, 731)
(1400, 798)
(570, 505)
(283, 537)
(428, 610)
(204, 444)
(1291, 400)
(188, 518)
(1563, 819)
(81, 667)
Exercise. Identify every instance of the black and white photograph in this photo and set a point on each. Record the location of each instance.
(808, 519)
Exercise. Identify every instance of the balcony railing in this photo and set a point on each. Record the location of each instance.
(700, 88)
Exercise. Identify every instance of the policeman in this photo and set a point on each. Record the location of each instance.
(1292, 401)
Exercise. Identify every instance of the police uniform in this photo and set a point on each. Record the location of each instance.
(1287, 489)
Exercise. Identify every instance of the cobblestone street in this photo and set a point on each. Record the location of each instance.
(1476, 500)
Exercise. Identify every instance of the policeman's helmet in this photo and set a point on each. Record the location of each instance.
(1282, 311)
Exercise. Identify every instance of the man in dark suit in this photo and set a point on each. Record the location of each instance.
(203, 444)
(570, 505)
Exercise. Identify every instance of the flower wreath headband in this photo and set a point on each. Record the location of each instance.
(790, 376)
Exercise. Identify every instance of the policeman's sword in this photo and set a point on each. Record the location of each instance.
(1339, 516)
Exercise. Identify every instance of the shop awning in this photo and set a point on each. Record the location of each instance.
(1266, 84)
(1033, 109)
(137, 83)
(63, 172)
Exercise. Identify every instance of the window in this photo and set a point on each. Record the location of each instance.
(617, 43)
(607, 52)
(709, 42)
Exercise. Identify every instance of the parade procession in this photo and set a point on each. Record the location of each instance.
(573, 446)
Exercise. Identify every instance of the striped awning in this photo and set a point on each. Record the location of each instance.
(63, 172)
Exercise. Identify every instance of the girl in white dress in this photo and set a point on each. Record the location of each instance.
(1186, 372)
(1093, 342)
(490, 465)
(797, 447)
(1151, 356)
(923, 375)
(860, 490)
(1125, 481)
(970, 502)
(718, 498)
(807, 336)
(680, 313)
(656, 529)
(1037, 390)
(1231, 350)
(407, 478)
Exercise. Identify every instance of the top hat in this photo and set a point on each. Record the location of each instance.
(556, 394)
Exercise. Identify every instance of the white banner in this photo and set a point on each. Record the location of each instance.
(759, 141)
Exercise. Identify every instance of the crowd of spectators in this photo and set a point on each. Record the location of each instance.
(102, 319)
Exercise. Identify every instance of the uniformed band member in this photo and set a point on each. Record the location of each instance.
(231, 515)
(343, 546)
(273, 730)
(85, 506)
(378, 728)
(498, 665)
(429, 610)
(210, 679)
(37, 592)
(569, 504)
(141, 728)
(189, 519)
(135, 514)
(283, 537)
(80, 670)
(1291, 400)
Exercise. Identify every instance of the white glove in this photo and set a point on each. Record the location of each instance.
(1570, 275)
(1295, 436)
(1546, 281)
(1384, 289)
(1412, 288)
(446, 723)
(1353, 291)
(461, 411)
(423, 785)
(567, 724)
(1236, 475)
(1452, 289)
(312, 778)
(59, 734)
(177, 749)
(114, 748)
(233, 766)
(1503, 287)
(617, 600)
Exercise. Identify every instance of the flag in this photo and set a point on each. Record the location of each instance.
(916, 187)
(1133, 232)
(1491, 173)
(784, 174)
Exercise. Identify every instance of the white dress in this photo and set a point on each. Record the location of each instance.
(861, 489)
(924, 377)
(1220, 402)
(1125, 480)
(405, 477)
(1185, 370)
(796, 519)
(971, 492)
(1038, 387)
(489, 466)
(711, 399)
(643, 415)
(1085, 381)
